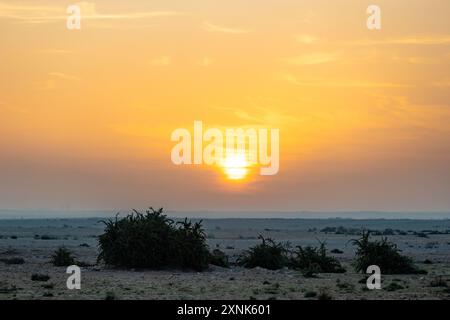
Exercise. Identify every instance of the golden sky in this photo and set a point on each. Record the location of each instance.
(364, 116)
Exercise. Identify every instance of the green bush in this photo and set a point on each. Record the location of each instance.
(219, 258)
(13, 260)
(153, 241)
(324, 294)
(312, 260)
(62, 257)
(438, 281)
(310, 294)
(39, 277)
(268, 254)
(393, 286)
(384, 254)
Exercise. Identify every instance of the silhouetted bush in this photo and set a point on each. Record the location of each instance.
(324, 294)
(438, 281)
(268, 254)
(384, 254)
(62, 258)
(310, 294)
(312, 260)
(393, 286)
(13, 260)
(39, 277)
(153, 241)
(219, 258)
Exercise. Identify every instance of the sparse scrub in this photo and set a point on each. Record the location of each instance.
(39, 277)
(268, 254)
(438, 282)
(310, 294)
(394, 286)
(110, 295)
(315, 260)
(153, 241)
(384, 254)
(7, 288)
(324, 295)
(62, 257)
(219, 258)
(48, 237)
(13, 260)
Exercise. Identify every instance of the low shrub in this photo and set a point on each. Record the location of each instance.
(39, 277)
(324, 294)
(13, 260)
(153, 241)
(394, 286)
(310, 294)
(62, 257)
(315, 260)
(110, 295)
(268, 254)
(219, 258)
(384, 254)
(438, 281)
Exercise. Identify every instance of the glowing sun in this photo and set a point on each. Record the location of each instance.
(235, 166)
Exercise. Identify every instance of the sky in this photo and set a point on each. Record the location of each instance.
(86, 116)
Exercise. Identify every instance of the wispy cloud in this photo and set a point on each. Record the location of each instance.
(342, 83)
(64, 76)
(30, 13)
(54, 51)
(306, 39)
(216, 28)
(53, 78)
(162, 61)
(406, 40)
(205, 62)
(441, 84)
(312, 58)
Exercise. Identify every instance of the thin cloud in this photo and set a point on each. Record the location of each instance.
(45, 14)
(342, 84)
(441, 84)
(205, 62)
(410, 40)
(306, 39)
(407, 40)
(54, 51)
(312, 59)
(64, 76)
(215, 28)
(161, 61)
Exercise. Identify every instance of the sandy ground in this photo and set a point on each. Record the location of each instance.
(26, 239)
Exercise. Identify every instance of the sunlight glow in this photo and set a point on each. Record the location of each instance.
(235, 166)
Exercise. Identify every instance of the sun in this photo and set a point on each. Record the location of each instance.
(235, 166)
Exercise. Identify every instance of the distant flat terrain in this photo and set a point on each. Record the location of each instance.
(34, 240)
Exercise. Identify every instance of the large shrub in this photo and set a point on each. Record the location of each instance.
(268, 254)
(151, 240)
(312, 260)
(382, 253)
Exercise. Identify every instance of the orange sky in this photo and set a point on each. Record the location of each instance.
(86, 115)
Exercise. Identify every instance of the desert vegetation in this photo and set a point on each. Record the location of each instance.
(151, 240)
(272, 255)
(268, 254)
(311, 260)
(382, 253)
(62, 257)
